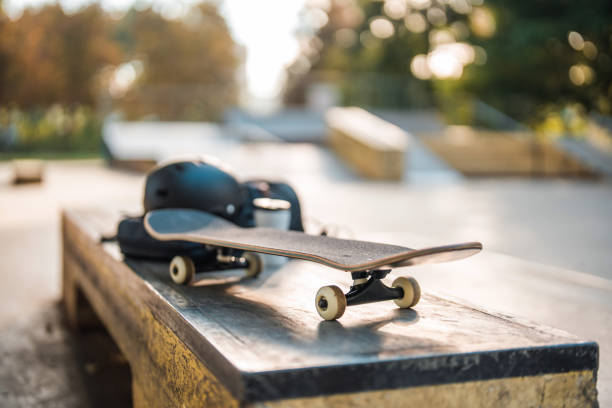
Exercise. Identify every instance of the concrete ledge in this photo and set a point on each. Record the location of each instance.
(232, 342)
(373, 147)
(477, 152)
(28, 171)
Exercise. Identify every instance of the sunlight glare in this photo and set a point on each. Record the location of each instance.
(345, 37)
(419, 67)
(581, 74)
(438, 37)
(444, 64)
(461, 6)
(482, 22)
(575, 40)
(395, 9)
(436, 16)
(267, 31)
(124, 77)
(589, 50)
(381, 27)
(415, 22)
(419, 4)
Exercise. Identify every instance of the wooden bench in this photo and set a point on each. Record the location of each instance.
(228, 341)
(372, 146)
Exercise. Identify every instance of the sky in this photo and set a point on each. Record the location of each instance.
(264, 27)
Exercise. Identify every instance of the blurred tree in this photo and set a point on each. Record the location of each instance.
(150, 65)
(522, 58)
(187, 66)
(369, 71)
(4, 57)
(545, 55)
(50, 57)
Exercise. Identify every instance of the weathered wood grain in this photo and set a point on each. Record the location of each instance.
(164, 371)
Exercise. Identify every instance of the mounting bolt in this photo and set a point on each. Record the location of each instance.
(323, 303)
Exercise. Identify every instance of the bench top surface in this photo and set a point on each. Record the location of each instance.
(267, 327)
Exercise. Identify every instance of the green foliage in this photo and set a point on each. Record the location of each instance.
(526, 74)
(50, 57)
(527, 69)
(188, 68)
(370, 72)
(188, 65)
(56, 129)
(57, 70)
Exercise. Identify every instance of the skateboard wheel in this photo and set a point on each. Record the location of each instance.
(254, 264)
(330, 302)
(182, 270)
(412, 292)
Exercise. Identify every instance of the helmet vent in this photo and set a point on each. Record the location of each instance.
(179, 167)
(162, 192)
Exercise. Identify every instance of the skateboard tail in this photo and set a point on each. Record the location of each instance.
(442, 254)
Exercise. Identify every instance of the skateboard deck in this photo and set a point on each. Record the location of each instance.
(344, 254)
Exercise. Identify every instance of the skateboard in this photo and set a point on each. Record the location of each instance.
(368, 262)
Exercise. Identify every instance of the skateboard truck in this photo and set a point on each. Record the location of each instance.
(367, 287)
(249, 260)
(183, 268)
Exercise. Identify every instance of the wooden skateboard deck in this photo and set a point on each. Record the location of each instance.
(344, 254)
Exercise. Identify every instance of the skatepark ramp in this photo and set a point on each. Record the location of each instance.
(597, 158)
(483, 153)
(370, 145)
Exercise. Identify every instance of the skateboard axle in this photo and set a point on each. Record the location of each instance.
(323, 303)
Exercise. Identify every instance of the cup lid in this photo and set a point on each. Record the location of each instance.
(271, 204)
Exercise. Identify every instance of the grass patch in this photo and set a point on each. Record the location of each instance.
(5, 156)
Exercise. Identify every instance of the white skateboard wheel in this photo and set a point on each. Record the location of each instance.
(182, 270)
(412, 292)
(254, 264)
(330, 302)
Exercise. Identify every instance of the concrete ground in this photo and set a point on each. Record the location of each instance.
(560, 223)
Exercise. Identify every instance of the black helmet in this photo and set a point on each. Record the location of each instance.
(196, 184)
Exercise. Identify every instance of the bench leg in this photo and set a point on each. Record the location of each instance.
(138, 399)
(79, 313)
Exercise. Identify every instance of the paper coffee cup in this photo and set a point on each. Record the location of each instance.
(272, 213)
